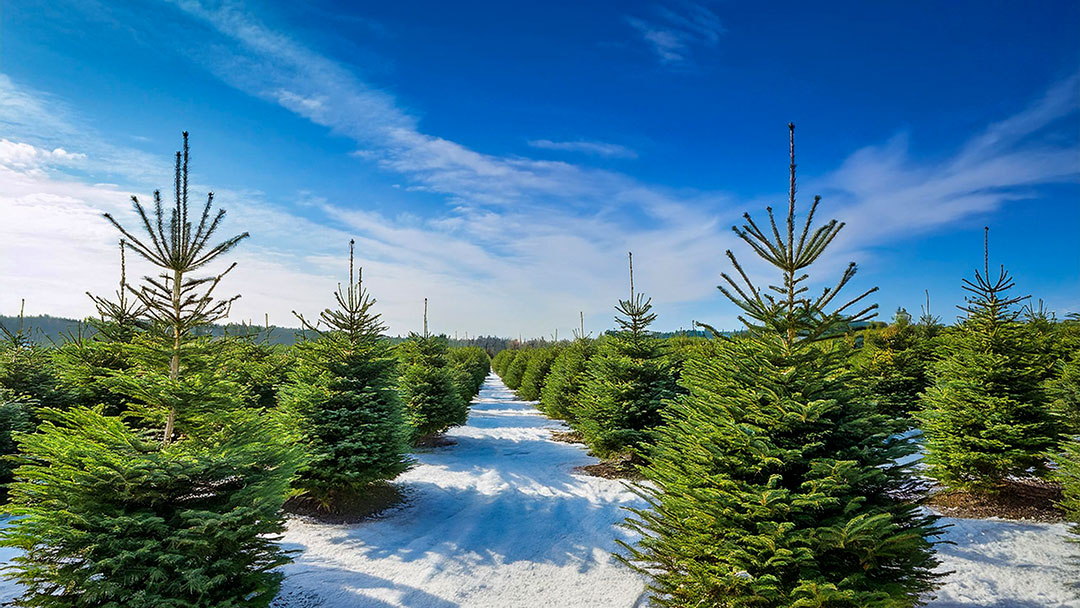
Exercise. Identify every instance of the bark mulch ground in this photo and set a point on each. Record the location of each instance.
(1026, 499)
(349, 509)
(614, 468)
(567, 437)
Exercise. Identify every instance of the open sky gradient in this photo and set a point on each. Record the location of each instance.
(500, 158)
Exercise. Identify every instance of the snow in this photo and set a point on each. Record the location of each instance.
(1007, 564)
(498, 520)
(501, 520)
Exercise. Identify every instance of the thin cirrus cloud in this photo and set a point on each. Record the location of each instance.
(522, 244)
(672, 32)
(594, 148)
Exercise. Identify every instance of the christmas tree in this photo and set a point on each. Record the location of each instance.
(560, 397)
(536, 372)
(774, 482)
(515, 368)
(894, 363)
(986, 417)
(433, 402)
(342, 396)
(180, 507)
(629, 379)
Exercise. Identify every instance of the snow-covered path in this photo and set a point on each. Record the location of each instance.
(498, 520)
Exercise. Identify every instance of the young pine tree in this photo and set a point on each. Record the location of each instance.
(433, 402)
(774, 482)
(629, 380)
(471, 366)
(342, 396)
(894, 363)
(181, 510)
(987, 417)
(561, 395)
(536, 372)
(515, 367)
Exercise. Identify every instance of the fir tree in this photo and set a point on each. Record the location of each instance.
(342, 395)
(628, 381)
(433, 403)
(182, 510)
(894, 363)
(986, 417)
(26, 368)
(515, 368)
(471, 367)
(536, 372)
(15, 417)
(561, 395)
(86, 368)
(774, 482)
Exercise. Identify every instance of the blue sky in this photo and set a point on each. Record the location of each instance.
(501, 158)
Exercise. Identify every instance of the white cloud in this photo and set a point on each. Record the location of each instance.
(673, 32)
(596, 148)
(523, 244)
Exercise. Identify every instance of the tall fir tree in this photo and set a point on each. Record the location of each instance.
(987, 417)
(628, 382)
(342, 396)
(774, 482)
(183, 508)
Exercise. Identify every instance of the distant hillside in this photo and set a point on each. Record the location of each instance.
(46, 329)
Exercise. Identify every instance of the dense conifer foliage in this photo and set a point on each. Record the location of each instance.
(987, 416)
(515, 367)
(471, 366)
(177, 501)
(628, 381)
(536, 372)
(342, 396)
(433, 401)
(895, 361)
(561, 396)
(774, 483)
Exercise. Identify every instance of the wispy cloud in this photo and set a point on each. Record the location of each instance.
(522, 244)
(672, 31)
(595, 148)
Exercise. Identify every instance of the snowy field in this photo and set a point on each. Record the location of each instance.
(501, 520)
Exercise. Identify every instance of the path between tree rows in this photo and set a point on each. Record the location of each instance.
(498, 520)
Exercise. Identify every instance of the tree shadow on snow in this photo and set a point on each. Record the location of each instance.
(309, 584)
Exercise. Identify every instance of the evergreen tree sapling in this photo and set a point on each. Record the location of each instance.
(342, 396)
(628, 382)
(986, 417)
(515, 368)
(433, 402)
(561, 395)
(774, 481)
(894, 364)
(536, 372)
(182, 511)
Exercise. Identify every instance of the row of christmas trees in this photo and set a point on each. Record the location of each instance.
(150, 465)
(779, 459)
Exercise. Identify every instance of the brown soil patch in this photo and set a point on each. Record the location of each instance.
(567, 437)
(1028, 499)
(435, 441)
(615, 468)
(348, 509)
